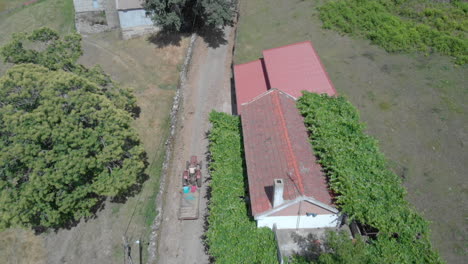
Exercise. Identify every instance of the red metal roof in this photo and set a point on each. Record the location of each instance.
(250, 81)
(277, 147)
(297, 67)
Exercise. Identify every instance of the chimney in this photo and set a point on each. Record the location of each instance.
(278, 192)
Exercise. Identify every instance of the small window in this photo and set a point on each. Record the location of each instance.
(95, 4)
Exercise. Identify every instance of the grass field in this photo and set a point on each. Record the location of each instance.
(415, 105)
(152, 73)
(56, 14)
(10, 5)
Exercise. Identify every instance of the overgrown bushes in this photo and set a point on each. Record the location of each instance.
(232, 236)
(366, 189)
(403, 25)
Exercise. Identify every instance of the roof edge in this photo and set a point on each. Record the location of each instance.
(246, 63)
(266, 93)
(295, 201)
(288, 45)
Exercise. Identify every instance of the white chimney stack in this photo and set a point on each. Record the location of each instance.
(278, 192)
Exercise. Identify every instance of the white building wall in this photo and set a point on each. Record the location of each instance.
(292, 222)
(134, 18)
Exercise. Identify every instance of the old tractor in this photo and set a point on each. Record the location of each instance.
(192, 174)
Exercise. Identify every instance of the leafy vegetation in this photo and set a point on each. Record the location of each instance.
(180, 15)
(365, 188)
(232, 236)
(56, 14)
(65, 135)
(403, 25)
(338, 248)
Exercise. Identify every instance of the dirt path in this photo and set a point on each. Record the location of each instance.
(208, 88)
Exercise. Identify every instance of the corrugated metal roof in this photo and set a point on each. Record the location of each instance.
(297, 67)
(277, 147)
(250, 81)
(129, 4)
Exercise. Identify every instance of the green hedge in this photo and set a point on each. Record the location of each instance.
(232, 236)
(366, 189)
(403, 25)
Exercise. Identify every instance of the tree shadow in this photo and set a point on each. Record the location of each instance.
(71, 223)
(310, 246)
(166, 38)
(135, 111)
(213, 36)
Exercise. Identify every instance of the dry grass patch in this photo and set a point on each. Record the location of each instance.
(21, 246)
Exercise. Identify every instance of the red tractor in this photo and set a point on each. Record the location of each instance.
(192, 173)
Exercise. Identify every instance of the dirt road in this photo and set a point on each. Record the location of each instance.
(208, 87)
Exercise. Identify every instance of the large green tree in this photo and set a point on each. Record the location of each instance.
(66, 140)
(177, 15)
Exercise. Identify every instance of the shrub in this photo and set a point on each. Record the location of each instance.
(232, 236)
(397, 26)
(366, 189)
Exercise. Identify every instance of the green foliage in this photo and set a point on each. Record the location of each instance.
(338, 248)
(232, 236)
(47, 49)
(403, 25)
(65, 137)
(341, 249)
(366, 189)
(44, 47)
(180, 15)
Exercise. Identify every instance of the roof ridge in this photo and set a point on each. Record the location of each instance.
(246, 63)
(291, 159)
(267, 92)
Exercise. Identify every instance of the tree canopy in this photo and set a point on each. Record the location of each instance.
(178, 15)
(66, 139)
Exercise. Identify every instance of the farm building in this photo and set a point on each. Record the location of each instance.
(133, 19)
(94, 16)
(287, 187)
(291, 69)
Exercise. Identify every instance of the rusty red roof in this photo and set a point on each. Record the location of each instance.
(297, 67)
(277, 147)
(250, 81)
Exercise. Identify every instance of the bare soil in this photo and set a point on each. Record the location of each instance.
(208, 88)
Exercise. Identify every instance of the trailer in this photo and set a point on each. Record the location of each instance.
(191, 183)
